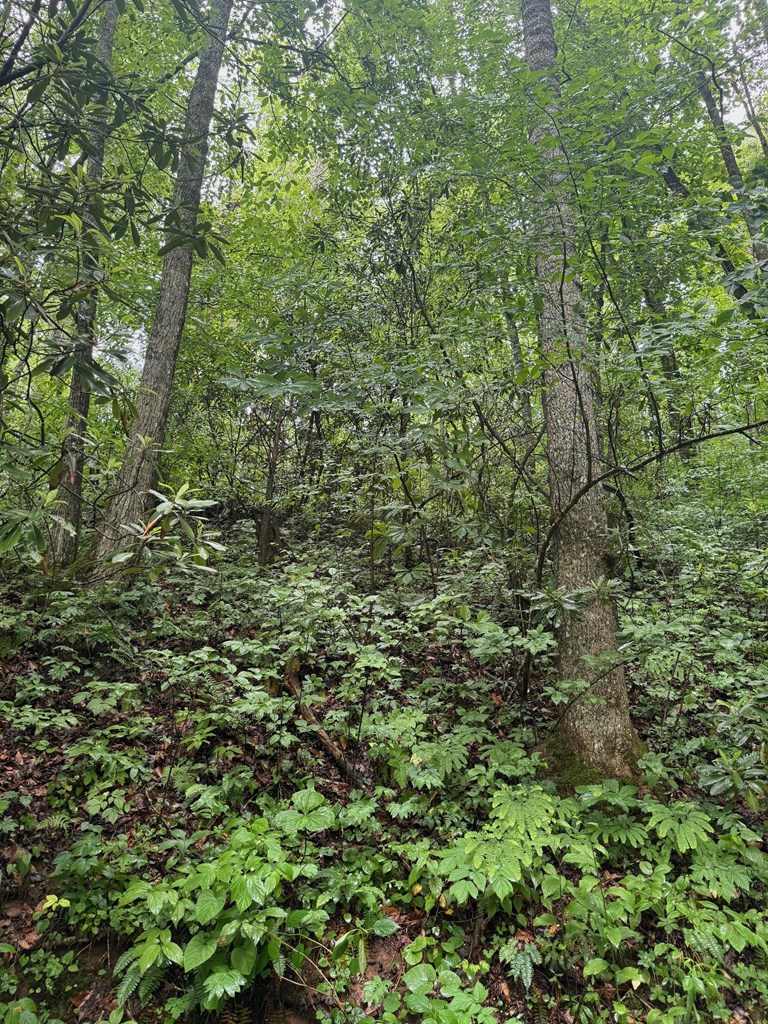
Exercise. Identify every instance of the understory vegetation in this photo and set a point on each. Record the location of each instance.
(170, 814)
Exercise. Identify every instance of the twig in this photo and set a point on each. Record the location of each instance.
(337, 755)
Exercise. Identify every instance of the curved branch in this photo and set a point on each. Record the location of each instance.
(629, 471)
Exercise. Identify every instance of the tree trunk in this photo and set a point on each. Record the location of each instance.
(269, 531)
(594, 736)
(679, 423)
(730, 162)
(518, 362)
(66, 534)
(139, 467)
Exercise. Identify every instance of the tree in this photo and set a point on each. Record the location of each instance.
(66, 532)
(138, 471)
(595, 729)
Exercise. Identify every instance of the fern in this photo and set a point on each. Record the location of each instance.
(618, 831)
(704, 943)
(128, 985)
(720, 876)
(126, 959)
(180, 1006)
(688, 826)
(521, 959)
(56, 822)
(539, 1007)
(278, 965)
(526, 811)
(431, 764)
(150, 982)
(239, 1015)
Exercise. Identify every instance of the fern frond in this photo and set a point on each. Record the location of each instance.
(128, 985)
(55, 822)
(127, 958)
(717, 874)
(525, 811)
(688, 826)
(521, 960)
(704, 943)
(150, 982)
(539, 1008)
(618, 831)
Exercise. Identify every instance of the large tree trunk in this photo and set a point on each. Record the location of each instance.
(594, 735)
(66, 534)
(139, 467)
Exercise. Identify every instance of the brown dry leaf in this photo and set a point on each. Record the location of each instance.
(29, 939)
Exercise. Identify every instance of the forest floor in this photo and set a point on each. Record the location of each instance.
(270, 795)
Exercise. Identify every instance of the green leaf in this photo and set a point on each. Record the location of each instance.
(723, 317)
(420, 979)
(320, 820)
(10, 538)
(208, 907)
(384, 926)
(172, 952)
(200, 948)
(224, 982)
(148, 956)
(244, 959)
(306, 800)
(595, 966)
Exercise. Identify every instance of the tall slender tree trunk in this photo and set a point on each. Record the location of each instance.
(269, 531)
(518, 362)
(679, 422)
(730, 162)
(595, 732)
(66, 534)
(139, 467)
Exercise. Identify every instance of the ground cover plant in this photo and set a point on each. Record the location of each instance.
(177, 839)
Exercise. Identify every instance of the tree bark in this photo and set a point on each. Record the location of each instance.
(594, 735)
(66, 534)
(518, 362)
(679, 423)
(139, 467)
(730, 162)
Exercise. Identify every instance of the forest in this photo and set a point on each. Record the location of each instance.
(383, 512)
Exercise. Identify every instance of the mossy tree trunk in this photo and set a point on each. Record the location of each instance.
(595, 732)
(139, 467)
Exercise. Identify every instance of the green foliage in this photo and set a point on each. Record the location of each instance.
(177, 830)
(520, 959)
(320, 767)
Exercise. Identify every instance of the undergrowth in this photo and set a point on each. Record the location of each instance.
(171, 802)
